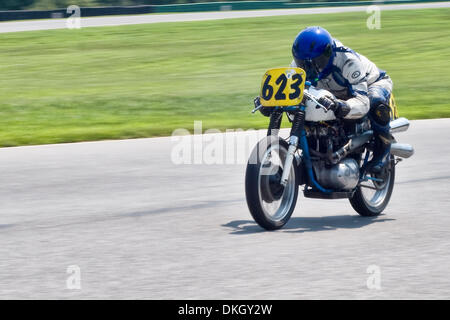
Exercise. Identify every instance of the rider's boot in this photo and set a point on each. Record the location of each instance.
(380, 154)
(380, 116)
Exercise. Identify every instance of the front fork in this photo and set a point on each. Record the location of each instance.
(274, 127)
(296, 132)
(297, 128)
(275, 122)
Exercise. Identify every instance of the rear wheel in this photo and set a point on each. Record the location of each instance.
(372, 197)
(270, 204)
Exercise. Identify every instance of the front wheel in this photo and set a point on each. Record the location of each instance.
(270, 204)
(372, 197)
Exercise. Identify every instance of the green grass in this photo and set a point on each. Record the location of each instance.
(146, 80)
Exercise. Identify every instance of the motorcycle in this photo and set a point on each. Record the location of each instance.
(324, 154)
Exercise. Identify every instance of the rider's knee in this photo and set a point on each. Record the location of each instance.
(380, 111)
(378, 95)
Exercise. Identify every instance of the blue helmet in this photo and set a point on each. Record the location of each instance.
(313, 48)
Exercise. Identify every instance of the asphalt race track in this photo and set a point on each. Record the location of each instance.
(31, 25)
(139, 226)
(136, 225)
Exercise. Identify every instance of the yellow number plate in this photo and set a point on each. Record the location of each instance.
(282, 87)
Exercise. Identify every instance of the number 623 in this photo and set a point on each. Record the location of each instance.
(282, 87)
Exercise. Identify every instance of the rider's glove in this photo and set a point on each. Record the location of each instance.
(339, 107)
(266, 111)
(327, 102)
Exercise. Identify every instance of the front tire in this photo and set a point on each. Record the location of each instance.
(371, 205)
(270, 204)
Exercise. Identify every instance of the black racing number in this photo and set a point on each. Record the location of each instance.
(267, 90)
(283, 80)
(296, 86)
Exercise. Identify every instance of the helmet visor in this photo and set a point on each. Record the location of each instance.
(304, 64)
(321, 61)
(316, 64)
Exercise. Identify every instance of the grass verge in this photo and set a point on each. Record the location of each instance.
(146, 80)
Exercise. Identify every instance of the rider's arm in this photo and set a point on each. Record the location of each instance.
(354, 72)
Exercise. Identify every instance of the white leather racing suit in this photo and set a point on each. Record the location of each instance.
(350, 78)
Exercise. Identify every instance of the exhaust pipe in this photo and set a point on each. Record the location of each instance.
(354, 143)
(402, 150)
(399, 125)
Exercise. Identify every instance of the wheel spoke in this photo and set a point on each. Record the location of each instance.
(368, 187)
(277, 208)
(379, 189)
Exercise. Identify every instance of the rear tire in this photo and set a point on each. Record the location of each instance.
(260, 190)
(369, 207)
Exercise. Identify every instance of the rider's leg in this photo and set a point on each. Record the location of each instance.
(379, 114)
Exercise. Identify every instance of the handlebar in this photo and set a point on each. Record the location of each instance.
(307, 95)
(313, 99)
(256, 109)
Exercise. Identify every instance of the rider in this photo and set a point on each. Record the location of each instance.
(359, 86)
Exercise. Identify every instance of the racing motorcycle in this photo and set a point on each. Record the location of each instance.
(324, 154)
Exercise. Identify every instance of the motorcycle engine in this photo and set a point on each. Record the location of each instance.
(341, 176)
(323, 139)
